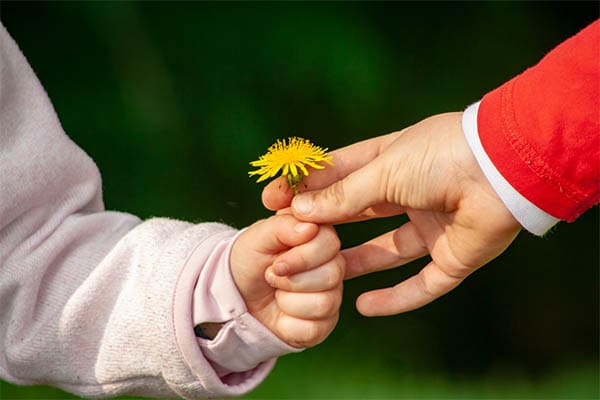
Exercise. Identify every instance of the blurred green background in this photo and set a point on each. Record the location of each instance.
(172, 100)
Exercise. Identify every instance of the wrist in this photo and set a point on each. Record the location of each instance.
(226, 334)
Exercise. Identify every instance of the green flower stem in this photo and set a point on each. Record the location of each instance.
(294, 181)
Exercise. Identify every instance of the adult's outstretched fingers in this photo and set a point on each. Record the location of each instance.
(392, 249)
(276, 195)
(415, 292)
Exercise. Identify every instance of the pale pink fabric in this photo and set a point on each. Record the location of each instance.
(100, 303)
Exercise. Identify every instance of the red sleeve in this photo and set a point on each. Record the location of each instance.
(541, 129)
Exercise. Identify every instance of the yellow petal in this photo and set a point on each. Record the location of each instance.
(293, 169)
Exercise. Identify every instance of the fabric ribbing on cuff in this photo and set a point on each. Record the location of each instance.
(243, 344)
(531, 217)
(216, 298)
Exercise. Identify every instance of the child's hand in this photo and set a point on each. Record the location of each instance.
(303, 308)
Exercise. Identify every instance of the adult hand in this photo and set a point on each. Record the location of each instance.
(428, 172)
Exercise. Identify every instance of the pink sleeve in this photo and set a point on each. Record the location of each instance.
(541, 129)
(244, 351)
(100, 303)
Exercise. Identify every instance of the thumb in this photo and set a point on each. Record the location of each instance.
(279, 233)
(345, 199)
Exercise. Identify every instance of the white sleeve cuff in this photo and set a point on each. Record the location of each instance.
(531, 217)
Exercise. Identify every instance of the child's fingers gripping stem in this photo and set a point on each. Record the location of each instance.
(316, 252)
(302, 308)
(281, 236)
(313, 306)
(325, 277)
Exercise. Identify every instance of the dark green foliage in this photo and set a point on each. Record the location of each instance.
(173, 100)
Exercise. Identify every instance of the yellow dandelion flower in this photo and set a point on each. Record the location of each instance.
(291, 157)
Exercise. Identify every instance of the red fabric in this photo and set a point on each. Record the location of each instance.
(541, 129)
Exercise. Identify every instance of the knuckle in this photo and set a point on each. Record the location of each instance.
(337, 272)
(336, 243)
(438, 281)
(310, 335)
(427, 286)
(316, 332)
(327, 303)
(330, 237)
(321, 306)
(334, 276)
(340, 262)
(336, 192)
(336, 196)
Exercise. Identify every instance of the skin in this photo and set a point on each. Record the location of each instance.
(428, 172)
(301, 308)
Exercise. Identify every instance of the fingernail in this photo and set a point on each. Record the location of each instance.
(302, 227)
(269, 276)
(302, 204)
(280, 268)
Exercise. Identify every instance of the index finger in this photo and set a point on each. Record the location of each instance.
(322, 248)
(276, 194)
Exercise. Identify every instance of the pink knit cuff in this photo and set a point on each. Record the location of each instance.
(244, 351)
